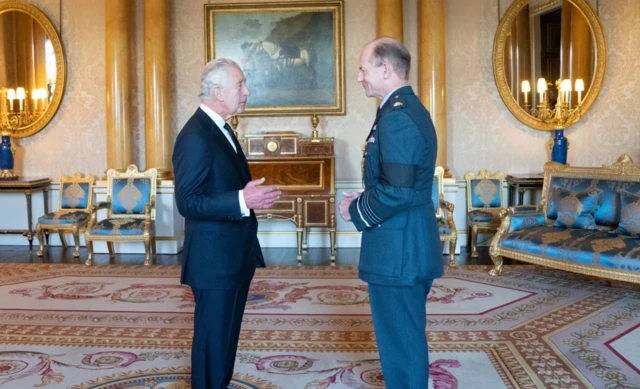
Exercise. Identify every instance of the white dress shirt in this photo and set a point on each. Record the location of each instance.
(220, 122)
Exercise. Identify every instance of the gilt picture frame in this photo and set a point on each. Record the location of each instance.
(292, 54)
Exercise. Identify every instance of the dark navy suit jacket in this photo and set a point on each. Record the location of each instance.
(221, 248)
(401, 245)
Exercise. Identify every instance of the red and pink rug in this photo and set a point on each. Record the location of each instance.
(72, 326)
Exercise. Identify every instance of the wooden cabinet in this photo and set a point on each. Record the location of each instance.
(304, 169)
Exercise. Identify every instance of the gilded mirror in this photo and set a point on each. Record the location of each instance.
(32, 69)
(548, 55)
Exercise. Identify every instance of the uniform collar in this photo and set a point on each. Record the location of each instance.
(386, 98)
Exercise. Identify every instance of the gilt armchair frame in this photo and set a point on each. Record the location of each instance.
(42, 228)
(444, 210)
(474, 228)
(149, 216)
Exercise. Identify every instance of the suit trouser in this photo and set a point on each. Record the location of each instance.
(217, 322)
(400, 320)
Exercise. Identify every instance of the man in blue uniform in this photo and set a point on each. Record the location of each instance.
(400, 254)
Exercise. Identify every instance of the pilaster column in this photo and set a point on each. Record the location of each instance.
(157, 123)
(389, 19)
(119, 135)
(432, 70)
(581, 54)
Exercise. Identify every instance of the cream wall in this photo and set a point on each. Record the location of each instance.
(481, 132)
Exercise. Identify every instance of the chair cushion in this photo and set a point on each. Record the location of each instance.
(485, 193)
(119, 226)
(130, 195)
(482, 216)
(74, 195)
(443, 226)
(576, 209)
(602, 248)
(64, 217)
(629, 214)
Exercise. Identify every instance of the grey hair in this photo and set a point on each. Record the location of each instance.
(395, 52)
(215, 74)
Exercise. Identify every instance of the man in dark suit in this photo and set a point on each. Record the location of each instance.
(216, 196)
(400, 254)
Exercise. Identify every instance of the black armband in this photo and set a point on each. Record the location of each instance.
(398, 174)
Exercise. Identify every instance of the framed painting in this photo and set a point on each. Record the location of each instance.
(292, 54)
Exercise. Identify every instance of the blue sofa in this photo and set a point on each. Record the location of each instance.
(588, 222)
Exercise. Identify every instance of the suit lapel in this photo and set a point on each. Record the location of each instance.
(242, 158)
(226, 147)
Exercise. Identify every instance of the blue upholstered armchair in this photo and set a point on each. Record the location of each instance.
(484, 202)
(73, 211)
(444, 214)
(131, 212)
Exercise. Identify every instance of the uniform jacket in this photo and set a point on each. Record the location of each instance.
(221, 248)
(400, 238)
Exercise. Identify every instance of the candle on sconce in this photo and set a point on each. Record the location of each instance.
(526, 88)
(566, 85)
(20, 95)
(579, 89)
(542, 87)
(43, 96)
(11, 95)
(35, 95)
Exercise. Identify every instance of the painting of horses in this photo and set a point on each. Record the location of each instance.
(292, 54)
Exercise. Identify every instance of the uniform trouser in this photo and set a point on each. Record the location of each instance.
(217, 322)
(400, 320)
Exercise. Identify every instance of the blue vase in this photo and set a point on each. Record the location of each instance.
(559, 150)
(6, 155)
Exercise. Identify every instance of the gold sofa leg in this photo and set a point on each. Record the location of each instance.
(40, 235)
(497, 261)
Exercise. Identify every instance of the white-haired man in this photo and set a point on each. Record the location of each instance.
(216, 196)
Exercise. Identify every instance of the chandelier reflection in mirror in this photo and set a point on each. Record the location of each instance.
(20, 107)
(552, 109)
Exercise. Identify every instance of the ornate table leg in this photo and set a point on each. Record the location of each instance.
(521, 195)
(30, 222)
(512, 196)
(299, 228)
(332, 238)
(45, 196)
(299, 233)
(305, 246)
(332, 229)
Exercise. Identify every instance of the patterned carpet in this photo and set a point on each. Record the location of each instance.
(72, 326)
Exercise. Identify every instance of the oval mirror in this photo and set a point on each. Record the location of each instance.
(32, 69)
(548, 61)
